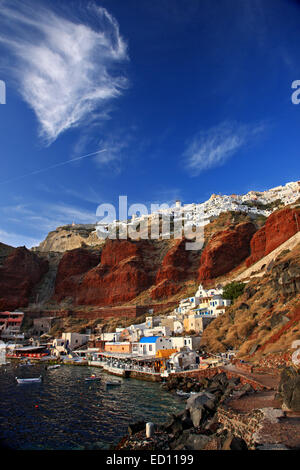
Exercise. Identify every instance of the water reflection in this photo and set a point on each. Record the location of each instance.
(66, 412)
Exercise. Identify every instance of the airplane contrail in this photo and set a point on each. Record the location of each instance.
(50, 167)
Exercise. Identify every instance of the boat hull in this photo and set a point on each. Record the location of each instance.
(27, 381)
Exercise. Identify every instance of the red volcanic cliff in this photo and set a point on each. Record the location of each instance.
(123, 273)
(21, 271)
(121, 276)
(72, 266)
(279, 227)
(225, 251)
(178, 266)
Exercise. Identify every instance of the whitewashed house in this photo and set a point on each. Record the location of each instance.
(157, 331)
(218, 305)
(188, 342)
(148, 346)
(112, 336)
(74, 340)
(183, 360)
(187, 304)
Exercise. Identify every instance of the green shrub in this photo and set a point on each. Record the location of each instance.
(233, 290)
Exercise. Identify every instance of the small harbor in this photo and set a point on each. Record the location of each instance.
(66, 412)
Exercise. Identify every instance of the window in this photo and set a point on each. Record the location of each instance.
(150, 347)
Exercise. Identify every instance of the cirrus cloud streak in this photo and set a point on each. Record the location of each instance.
(213, 147)
(66, 70)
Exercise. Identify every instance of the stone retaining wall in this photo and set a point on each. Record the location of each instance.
(241, 425)
(131, 311)
(134, 374)
(211, 372)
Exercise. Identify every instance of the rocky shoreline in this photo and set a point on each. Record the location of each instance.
(207, 423)
(196, 427)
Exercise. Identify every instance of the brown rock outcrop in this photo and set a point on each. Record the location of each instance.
(225, 251)
(279, 227)
(20, 272)
(70, 270)
(70, 237)
(178, 266)
(126, 270)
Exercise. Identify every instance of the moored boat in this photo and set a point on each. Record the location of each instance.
(182, 394)
(92, 378)
(53, 366)
(29, 380)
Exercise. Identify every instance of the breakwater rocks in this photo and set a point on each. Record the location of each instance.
(223, 413)
(195, 428)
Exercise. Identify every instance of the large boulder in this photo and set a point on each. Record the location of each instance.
(234, 443)
(190, 441)
(198, 400)
(289, 389)
(200, 405)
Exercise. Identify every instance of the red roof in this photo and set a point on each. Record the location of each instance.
(11, 320)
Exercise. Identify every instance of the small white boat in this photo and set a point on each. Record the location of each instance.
(29, 380)
(53, 366)
(112, 383)
(183, 394)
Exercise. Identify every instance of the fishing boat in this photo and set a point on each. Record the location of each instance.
(53, 366)
(29, 380)
(91, 378)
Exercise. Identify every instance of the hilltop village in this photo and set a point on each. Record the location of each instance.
(198, 215)
(253, 204)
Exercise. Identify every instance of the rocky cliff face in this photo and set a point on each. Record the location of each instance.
(73, 265)
(266, 318)
(279, 227)
(69, 237)
(125, 269)
(225, 251)
(178, 266)
(20, 272)
(5, 250)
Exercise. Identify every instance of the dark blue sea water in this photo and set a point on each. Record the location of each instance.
(64, 412)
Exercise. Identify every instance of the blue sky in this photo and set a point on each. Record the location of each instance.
(188, 98)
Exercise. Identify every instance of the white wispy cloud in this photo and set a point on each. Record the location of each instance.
(66, 70)
(17, 239)
(45, 217)
(213, 147)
